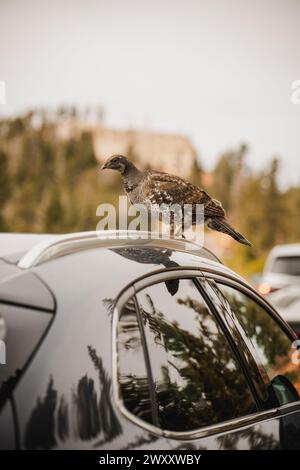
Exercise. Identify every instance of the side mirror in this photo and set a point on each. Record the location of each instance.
(284, 390)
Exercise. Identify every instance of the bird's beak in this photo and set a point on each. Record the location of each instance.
(103, 167)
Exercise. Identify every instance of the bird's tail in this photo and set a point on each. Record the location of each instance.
(221, 225)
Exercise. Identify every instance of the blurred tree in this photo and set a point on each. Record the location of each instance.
(34, 162)
(132, 155)
(271, 207)
(227, 176)
(195, 176)
(5, 188)
(54, 214)
(79, 154)
(260, 203)
(24, 210)
(290, 214)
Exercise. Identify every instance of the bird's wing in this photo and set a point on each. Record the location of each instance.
(162, 188)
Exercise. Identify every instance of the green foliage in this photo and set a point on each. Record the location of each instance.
(5, 188)
(257, 207)
(50, 184)
(54, 213)
(227, 175)
(195, 176)
(79, 153)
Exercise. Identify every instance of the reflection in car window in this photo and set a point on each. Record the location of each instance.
(21, 331)
(287, 265)
(271, 342)
(196, 379)
(133, 378)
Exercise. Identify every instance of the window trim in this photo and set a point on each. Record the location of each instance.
(204, 431)
(240, 357)
(251, 292)
(116, 393)
(152, 397)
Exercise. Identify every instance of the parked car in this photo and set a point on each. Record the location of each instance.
(282, 269)
(115, 342)
(287, 303)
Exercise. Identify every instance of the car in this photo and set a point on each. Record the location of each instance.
(282, 268)
(117, 340)
(287, 302)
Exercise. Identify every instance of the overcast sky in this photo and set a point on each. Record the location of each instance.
(218, 71)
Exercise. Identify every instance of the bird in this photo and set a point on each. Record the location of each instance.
(153, 187)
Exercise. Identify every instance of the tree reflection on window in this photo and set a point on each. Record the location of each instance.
(132, 371)
(196, 378)
(271, 342)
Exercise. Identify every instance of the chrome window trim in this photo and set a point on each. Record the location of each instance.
(226, 426)
(121, 301)
(245, 358)
(247, 289)
(289, 408)
(252, 293)
(151, 385)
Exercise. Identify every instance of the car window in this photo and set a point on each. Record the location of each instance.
(287, 265)
(271, 342)
(133, 376)
(195, 377)
(20, 331)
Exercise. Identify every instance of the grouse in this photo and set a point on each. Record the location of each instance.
(151, 187)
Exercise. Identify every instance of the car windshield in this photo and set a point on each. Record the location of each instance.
(287, 265)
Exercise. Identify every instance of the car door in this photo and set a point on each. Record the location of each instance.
(271, 344)
(186, 380)
(8, 432)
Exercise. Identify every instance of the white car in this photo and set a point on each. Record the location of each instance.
(282, 269)
(287, 303)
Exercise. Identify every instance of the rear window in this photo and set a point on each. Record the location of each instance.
(287, 265)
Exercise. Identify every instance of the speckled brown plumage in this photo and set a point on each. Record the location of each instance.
(151, 187)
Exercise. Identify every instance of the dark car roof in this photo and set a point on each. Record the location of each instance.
(88, 260)
(121, 256)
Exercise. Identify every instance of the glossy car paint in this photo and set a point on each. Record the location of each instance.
(64, 398)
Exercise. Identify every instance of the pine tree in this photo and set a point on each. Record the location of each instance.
(5, 188)
(272, 207)
(227, 176)
(54, 214)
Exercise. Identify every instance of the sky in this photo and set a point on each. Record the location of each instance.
(218, 71)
